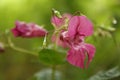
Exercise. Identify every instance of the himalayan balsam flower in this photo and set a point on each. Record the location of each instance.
(79, 27)
(28, 30)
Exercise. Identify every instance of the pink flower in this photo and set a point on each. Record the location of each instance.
(79, 27)
(28, 30)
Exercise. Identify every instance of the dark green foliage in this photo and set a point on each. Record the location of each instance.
(106, 75)
(50, 57)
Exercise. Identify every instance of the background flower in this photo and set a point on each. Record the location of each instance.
(28, 30)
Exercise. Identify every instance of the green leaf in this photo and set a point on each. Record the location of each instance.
(45, 74)
(50, 57)
(106, 75)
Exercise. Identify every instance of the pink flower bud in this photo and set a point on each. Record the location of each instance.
(28, 30)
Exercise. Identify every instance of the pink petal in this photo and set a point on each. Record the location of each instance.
(58, 42)
(72, 26)
(22, 26)
(38, 31)
(15, 32)
(90, 52)
(57, 22)
(76, 57)
(86, 27)
(68, 16)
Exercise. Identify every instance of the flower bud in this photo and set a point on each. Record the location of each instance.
(29, 30)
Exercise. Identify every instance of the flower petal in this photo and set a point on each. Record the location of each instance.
(57, 22)
(72, 26)
(15, 32)
(85, 27)
(76, 57)
(68, 16)
(61, 39)
(58, 41)
(90, 52)
(38, 31)
(22, 26)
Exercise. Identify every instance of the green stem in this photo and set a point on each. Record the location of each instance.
(44, 42)
(53, 73)
(11, 45)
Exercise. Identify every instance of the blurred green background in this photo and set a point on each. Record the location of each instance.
(105, 14)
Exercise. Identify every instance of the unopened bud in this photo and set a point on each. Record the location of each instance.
(56, 13)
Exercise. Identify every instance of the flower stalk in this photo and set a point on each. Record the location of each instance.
(11, 45)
